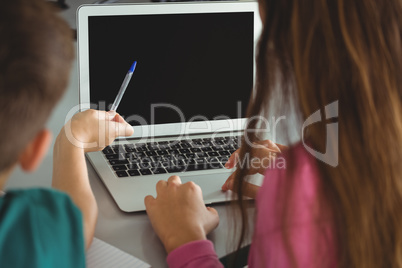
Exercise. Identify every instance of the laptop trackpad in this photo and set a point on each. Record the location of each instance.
(211, 185)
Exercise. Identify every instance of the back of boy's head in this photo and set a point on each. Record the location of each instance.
(36, 52)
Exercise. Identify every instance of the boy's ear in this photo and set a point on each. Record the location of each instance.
(33, 154)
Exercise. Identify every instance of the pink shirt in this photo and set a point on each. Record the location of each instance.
(309, 228)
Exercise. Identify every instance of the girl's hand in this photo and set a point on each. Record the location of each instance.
(262, 153)
(178, 214)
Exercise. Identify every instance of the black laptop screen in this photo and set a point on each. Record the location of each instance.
(190, 64)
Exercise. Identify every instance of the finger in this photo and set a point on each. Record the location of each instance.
(231, 163)
(118, 118)
(160, 186)
(148, 200)
(273, 146)
(212, 211)
(263, 157)
(249, 189)
(282, 147)
(111, 114)
(228, 185)
(174, 180)
(122, 129)
(213, 220)
(267, 144)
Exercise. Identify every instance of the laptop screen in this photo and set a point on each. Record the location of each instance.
(190, 67)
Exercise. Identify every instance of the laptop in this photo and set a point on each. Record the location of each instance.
(187, 97)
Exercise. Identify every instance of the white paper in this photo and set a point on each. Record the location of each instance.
(104, 255)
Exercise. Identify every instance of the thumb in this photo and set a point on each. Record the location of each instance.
(148, 201)
(111, 114)
(232, 161)
(212, 220)
(122, 129)
(212, 211)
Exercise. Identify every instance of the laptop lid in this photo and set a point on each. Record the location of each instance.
(195, 68)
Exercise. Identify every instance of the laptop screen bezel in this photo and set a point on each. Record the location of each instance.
(171, 129)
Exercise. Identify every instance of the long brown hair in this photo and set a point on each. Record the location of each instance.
(321, 51)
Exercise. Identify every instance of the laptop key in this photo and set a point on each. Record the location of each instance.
(152, 153)
(219, 142)
(119, 167)
(166, 164)
(132, 166)
(140, 154)
(118, 148)
(190, 161)
(135, 160)
(112, 156)
(223, 159)
(194, 167)
(138, 145)
(195, 150)
(197, 143)
(174, 152)
(159, 171)
(190, 155)
(134, 172)
(118, 162)
(145, 171)
(141, 149)
(213, 154)
(175, 146)
(185, 145)
(129, 155)
(217, 148)
(206, 149)
(184, 151)
(200, 154)
(121, 174)
(207, 143)
(107, 151)
(174, 169)
(128, 145)
(200, 161)
(162, 152)
(130, 150)
(224, 153)
(215, 165)
(146, 165)
(164, 146)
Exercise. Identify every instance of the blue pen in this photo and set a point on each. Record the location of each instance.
(123, 87)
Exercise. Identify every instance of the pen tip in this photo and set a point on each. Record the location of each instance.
(133, 66)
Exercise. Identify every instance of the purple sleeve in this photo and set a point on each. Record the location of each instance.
(196, 254)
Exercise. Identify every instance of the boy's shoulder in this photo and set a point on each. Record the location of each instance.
(42, 225)
(38, 199)
(32, 195)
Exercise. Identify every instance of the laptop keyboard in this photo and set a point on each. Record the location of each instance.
(176, 156)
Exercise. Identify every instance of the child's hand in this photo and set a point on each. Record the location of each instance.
(92, 130)
(264, 152)
(178, 214)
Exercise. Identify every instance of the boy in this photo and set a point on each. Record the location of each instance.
(44, 227)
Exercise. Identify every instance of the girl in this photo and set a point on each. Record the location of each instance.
(341, 210)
